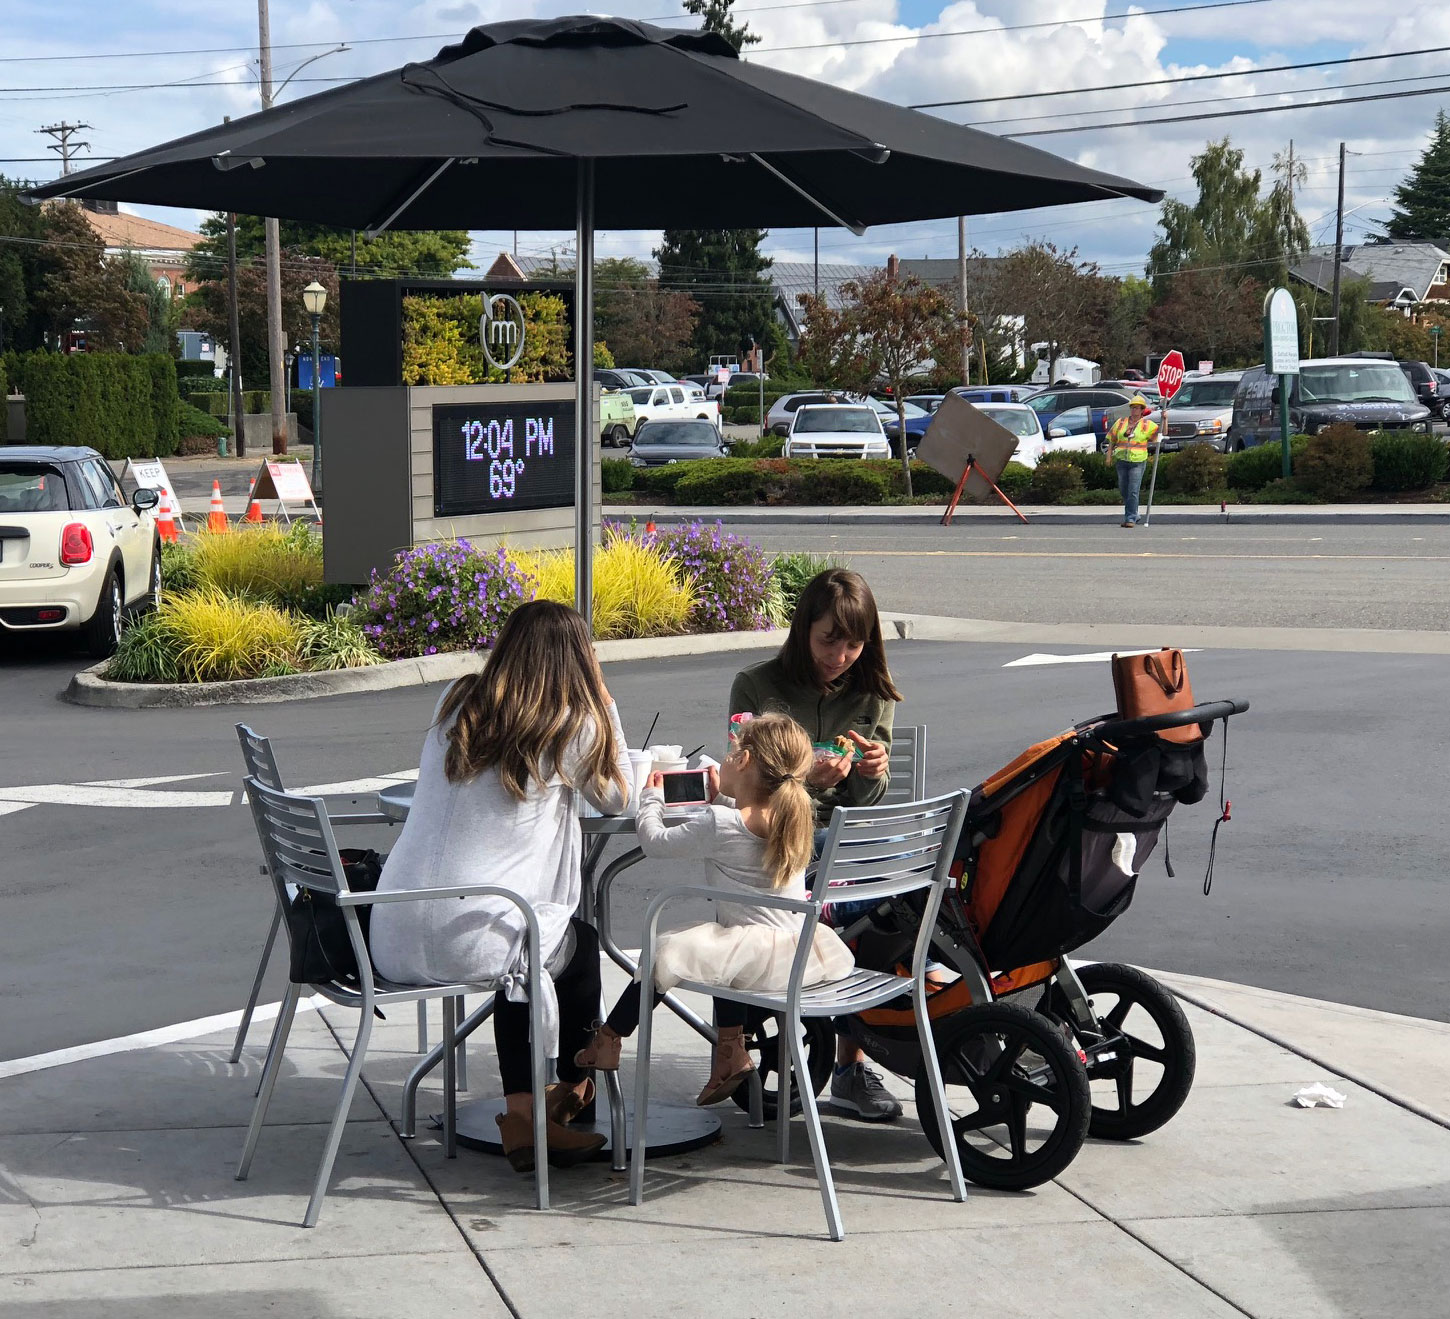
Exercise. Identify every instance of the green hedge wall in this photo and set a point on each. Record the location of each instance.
(121, 405)
(4, 410)
(195, 367)
(782, 481)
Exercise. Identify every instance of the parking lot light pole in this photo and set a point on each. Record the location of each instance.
(314, 299)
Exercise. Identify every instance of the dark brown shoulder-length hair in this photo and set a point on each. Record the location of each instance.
(844, 597)
(539, 691)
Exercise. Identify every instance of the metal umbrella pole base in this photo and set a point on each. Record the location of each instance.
(673, 1128)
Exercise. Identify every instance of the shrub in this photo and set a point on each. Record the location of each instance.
(924, 480)
(1014, 481)
(207, 384)
(837, 481)
(208, 636)
(1281, 491)
(1195, 469)
(769, 447)
(724, 481)
(105, 400)
(196, 368)
(1252, 469)
(191, 422)
(1097, 474)
(731, 576)
(444, 596)
(616, 474)
(178, 567)
(4, 410)
(1052, 480)
(638, 590)
(1404, 460)
(1094, 498)
(792, 572)
(335, 643)
(266, 563)
(660, 480)
(165, 402)
(1337, 462)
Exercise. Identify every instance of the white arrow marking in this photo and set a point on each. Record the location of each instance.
(80, 794)
(1030, 661)
(146, 783)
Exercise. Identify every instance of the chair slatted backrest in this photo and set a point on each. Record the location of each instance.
(296, 839)
(874, 852)
(908, 765)
(258, 756)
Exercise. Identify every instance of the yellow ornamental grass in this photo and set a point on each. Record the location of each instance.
(267, 562)
(217, 638)
(638, 592)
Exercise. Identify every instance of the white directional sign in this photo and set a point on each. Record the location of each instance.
(1281, 334)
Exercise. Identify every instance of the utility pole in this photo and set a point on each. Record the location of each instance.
(962, 280)
(240, 436)
(1291, 174)
(276, 381)
(1338, 259)
(62, 134)
(816, 244)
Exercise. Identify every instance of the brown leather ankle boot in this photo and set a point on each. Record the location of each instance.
(567, 1146)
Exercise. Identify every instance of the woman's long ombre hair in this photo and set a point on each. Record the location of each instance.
(844, 597)
(781, 752)
(539, 692)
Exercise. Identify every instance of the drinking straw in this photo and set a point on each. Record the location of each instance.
(651, 732)
(688, 754)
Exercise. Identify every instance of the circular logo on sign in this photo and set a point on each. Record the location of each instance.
(501, 330)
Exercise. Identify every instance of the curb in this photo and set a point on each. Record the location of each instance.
(90, 689)
(928, 514)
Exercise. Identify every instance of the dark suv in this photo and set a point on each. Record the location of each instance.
(1371, 394)
(1426, 386)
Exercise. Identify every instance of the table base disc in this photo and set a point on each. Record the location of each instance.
(673, 1128)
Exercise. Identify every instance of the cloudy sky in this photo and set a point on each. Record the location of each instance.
(142, 71)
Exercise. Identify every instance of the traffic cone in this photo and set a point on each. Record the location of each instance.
(216, 519)
(166, 517)
(649, 527)
(254, 509)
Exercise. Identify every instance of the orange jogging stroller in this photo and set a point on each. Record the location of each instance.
(1037, 1055)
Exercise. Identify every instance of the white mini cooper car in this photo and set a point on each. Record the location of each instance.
(75, 553)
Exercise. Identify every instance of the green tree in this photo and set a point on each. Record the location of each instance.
(396, 254)
(1213, 313)
(643, 324)
(1230, 225)
(888, 331)
(721, 269)
(1422, 201)
(21, 269)
(1060, 299)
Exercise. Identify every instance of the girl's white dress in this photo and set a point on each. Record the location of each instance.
(746, 947)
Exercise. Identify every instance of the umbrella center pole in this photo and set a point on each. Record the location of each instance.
(584, 436)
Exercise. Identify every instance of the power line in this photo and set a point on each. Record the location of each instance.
(1233, 114)
(1208, 100)
(1187, 77)
(1012, 27)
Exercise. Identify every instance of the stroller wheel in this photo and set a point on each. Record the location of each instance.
(1016, 1091)
(1141, 1065)
(762, 1042)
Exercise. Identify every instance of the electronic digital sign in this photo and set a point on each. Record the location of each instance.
(502, 457)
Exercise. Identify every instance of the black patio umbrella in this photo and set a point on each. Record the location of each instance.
(589, 121)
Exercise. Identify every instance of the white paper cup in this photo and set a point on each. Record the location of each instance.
(639, 769)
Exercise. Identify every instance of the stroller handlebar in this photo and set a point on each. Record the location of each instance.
(1113, 728)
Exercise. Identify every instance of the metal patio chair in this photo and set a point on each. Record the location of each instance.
(261, 763)
(300, 848)
(880, 851)
(908, 765)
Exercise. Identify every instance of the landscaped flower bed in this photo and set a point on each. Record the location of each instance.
(251, 603)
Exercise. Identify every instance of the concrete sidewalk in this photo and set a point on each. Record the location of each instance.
(118, 1198)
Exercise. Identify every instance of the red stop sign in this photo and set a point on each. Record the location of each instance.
(1170, 374)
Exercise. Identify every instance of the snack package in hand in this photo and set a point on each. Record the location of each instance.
(737, 722)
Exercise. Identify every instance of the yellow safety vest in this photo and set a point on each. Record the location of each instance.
(1131, 445)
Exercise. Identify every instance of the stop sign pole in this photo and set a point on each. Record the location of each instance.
(1170, 377)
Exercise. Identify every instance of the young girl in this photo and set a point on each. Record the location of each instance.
(508, 748)
(756, 835)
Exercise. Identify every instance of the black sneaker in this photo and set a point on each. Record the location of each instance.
(859, 1090)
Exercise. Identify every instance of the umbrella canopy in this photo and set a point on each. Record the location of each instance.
(486, 135)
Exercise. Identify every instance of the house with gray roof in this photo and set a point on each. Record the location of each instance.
(1399, 274)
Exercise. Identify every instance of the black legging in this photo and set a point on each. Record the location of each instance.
(577, 987)
(624, 1016)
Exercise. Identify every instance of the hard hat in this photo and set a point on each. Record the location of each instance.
(1137, 401)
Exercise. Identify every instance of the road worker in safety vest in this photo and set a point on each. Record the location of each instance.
(1128, 443)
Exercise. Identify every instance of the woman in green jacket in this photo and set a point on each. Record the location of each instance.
(831, 677)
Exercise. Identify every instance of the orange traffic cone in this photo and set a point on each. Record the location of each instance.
(216, 519)
(166, 517)
(254, 509)
(649, 527)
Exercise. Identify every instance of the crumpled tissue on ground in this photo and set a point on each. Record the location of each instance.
(1313, 1096)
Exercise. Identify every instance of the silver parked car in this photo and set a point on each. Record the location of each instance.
(846, 430)
(659, 442)
(1201, 411)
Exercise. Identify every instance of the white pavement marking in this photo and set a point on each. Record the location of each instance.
(151, 782)
(138, 794)
(147, 1039)
(1029, 661)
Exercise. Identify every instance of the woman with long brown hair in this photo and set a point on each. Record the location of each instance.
(509, 749)
(831, 676)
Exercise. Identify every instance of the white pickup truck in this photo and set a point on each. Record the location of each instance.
(671, 403)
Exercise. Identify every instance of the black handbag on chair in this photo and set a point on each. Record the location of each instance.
(321, 949)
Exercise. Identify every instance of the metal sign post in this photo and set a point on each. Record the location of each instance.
(1281, 356)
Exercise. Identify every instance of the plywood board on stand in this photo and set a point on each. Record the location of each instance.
(961, 433)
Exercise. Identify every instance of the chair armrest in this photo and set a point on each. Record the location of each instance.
(372, 817)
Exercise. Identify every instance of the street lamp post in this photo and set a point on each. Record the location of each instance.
(314, 299)
(287, 359)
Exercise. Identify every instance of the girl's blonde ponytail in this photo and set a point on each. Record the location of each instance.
(783, 755)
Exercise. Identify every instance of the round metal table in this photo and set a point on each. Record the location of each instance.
(674, 1128)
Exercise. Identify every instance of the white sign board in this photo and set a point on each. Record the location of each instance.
(148, 473)
(1281, 334)
(285, 482)
(1205, 367)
